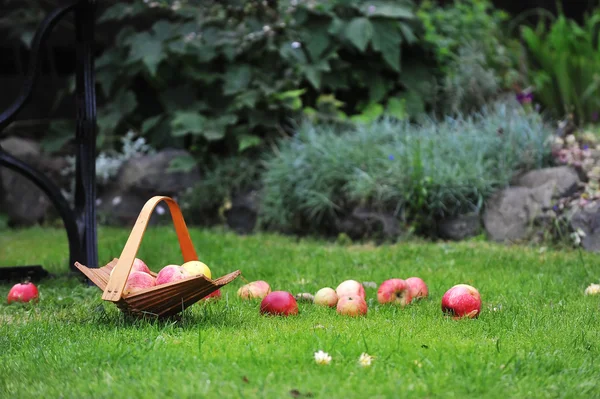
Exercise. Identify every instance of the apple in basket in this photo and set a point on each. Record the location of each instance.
(138, 281)
(171, 273)
(197, 268)
(138, 266)
(213, 296)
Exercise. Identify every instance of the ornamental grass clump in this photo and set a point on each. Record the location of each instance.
(417, 172)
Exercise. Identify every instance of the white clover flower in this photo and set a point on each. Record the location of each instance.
(266, 28)
(365, 359)
(322, 357)
(296, 45)
(593, 289)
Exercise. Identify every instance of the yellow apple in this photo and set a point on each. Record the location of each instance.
(196, 268)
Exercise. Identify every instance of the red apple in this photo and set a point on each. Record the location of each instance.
(138, 281)
(171, 273)
(139, 266)
(417, 287)
(256, 289)
(350, 288)
(462, 300)
(213, 295)
(326, 297)
(279, 303)
(23, 292)
(394, 291)
(352, 306)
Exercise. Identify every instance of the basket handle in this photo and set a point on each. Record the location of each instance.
(118, 279)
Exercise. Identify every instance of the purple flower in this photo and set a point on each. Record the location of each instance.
(585, 146)
(391, 157)
(595, 116)
(524, 98)
(555, 207)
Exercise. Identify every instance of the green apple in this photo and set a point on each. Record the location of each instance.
(196, 268)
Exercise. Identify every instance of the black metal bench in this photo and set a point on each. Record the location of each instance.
(80, 221)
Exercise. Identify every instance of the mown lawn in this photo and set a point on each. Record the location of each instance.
(538, 335)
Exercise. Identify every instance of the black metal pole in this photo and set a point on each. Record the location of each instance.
(85, 174)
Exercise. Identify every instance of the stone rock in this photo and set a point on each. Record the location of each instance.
(565, 178)
(138, 180)
(148, 174)
(510, 213)
(364, 222)
(243, 213)
(24, 203)
(588, 220)
(460, 227)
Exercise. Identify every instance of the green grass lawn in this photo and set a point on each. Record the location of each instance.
(541, 341)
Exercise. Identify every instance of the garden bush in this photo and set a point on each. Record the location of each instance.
(420, 173)
(563, 62)
(227, 76)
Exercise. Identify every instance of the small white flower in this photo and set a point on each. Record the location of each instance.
(570, 139)
(176, 6)
(576, 239)
(365, 359)
(371, 9)
(160, 210)
(266, 28)
(116, 200)
(559, 141)
(580, 232)
(296, 45)
(322, 357)
(593, 289)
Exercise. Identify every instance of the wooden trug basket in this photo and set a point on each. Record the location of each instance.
(162, 300)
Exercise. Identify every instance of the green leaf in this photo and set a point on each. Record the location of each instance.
(359, 31)
(187, 122)
(388, 9)
(146, 48)
(247, 141)
(237, 78)
(387, 41)
(150, 123)
(216, 128)
(369, 114)
(396, 107)
(317, 38)
(182, 163)
(122, 10)
(378, 87)
(246, 99)
(121, 105)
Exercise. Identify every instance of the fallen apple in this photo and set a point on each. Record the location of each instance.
(196, 268)
(394, 291)
(256, 289)
(138, 281)
(171, 273)
(326, 297)
(279, 303)
(23, 292)
(213, 295)
(417, 287)
(462, 300)
(350, 288)
(352, 306)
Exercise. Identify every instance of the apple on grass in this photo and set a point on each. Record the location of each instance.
(462, 300)
(213, 295)
(171, 273)
(352, 306)
(326, 297)
(255, 289)
(394, 291)
(23, 292)
(350, 288)
(280, 303)
(196, 268)
(418, 288)
(138, 281)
